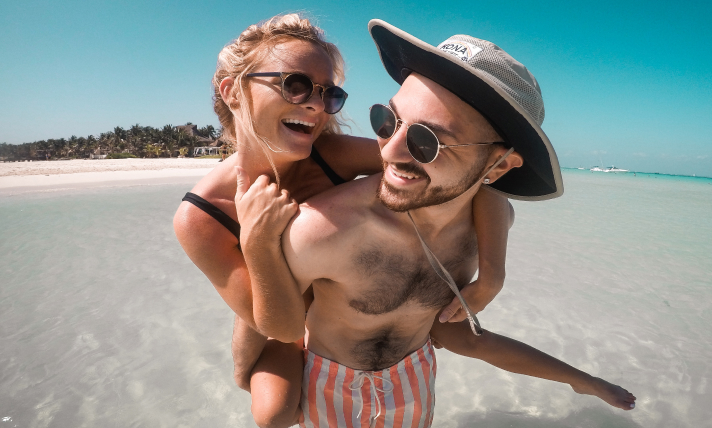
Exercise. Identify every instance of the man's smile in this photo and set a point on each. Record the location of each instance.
(404, 174)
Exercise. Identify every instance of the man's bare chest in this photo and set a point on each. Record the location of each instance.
(391, 275)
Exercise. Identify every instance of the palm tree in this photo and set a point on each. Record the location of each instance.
(59, 146)
(207, 132)
(91, 145)
(72, 145)
(138, 140)
(81, 147)
(119, 137)
(170, 146)
(154, 149)
(108, 141)
(135, 137)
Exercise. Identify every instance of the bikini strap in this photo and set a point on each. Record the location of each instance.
(215, 213)
(333, 176)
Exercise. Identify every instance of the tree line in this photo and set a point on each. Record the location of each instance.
(139, 141)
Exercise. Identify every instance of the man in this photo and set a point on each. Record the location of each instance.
(372, 249)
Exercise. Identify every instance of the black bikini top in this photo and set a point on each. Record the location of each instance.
(234, 226)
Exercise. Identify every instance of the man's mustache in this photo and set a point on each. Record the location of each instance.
(408, 168)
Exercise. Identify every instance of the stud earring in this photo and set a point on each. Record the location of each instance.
(486, 181)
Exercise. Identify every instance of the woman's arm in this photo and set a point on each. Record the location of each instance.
(494, 217)
(350, 156)
(264, 211)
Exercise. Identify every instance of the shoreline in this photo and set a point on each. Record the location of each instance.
(61, 167)
(22, 177)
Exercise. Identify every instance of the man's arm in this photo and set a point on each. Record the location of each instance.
(493, 217)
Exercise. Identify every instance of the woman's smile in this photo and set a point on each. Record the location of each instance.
(302, 126)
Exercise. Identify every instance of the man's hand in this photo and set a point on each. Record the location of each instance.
(477, 294)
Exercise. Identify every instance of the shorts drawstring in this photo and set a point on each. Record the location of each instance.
(357, 383)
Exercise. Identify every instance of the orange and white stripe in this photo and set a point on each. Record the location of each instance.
(402, 396)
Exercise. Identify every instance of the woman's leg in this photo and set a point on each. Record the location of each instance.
(272, 372)
(247, 345)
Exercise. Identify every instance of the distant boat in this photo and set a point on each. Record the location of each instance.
(609, 169)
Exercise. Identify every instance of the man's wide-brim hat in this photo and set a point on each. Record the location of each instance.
(496, 85)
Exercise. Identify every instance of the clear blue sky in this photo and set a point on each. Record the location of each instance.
(624, 82)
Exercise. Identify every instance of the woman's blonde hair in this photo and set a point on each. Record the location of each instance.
(243, 54)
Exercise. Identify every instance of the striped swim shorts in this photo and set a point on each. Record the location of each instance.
(402, 396)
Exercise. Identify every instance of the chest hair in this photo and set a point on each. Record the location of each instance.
(406, 276)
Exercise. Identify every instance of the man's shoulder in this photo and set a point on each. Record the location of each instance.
(327, 228)
(346, 202)
(338, 211)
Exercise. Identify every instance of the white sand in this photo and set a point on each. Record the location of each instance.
(93, 171)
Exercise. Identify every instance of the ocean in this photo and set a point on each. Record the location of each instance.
(105, 322)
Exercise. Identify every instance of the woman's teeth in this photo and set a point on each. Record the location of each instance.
(299, 122)
(299, 125)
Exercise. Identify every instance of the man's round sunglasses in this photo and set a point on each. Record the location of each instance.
(421, 141)
(298, 89)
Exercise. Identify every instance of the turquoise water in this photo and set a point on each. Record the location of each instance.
(104, 322)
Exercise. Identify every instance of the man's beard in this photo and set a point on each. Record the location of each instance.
(400, 200)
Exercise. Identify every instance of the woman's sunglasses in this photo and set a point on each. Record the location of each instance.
(298, 89)
(421, 141)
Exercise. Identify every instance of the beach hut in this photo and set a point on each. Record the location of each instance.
(98, 154)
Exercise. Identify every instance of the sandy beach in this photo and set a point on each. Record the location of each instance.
(72, 173)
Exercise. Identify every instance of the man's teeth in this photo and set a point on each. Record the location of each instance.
(409, 177)
(299, 122)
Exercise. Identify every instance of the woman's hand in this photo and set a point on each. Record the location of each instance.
(477, 294)
(263, 210)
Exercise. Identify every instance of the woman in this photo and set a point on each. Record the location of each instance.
(277, 99)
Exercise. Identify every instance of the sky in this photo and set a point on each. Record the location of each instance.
(625, 83)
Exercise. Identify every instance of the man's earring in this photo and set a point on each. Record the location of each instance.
(486, 181)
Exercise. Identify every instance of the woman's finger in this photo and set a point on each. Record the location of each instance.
(459, 316)
(450, 310)
(243, 183)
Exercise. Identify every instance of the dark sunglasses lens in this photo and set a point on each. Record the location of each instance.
(383, 121)
(422, 143)
(297, 88)
(334, 99)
